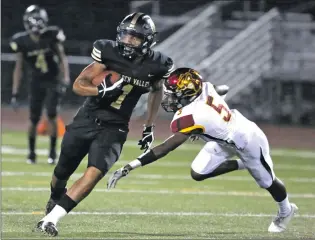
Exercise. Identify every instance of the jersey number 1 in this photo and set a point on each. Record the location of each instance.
(126, 90)
(41, 63)
(220, 108)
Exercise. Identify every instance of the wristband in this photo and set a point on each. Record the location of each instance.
(147, 158)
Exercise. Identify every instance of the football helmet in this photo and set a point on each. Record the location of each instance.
(136, 34)
(181, 88)
(35, 19)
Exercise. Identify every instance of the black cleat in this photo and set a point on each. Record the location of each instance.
(49, 228)
(52, 158)
(31, 158)
(38, 227)
(50, 205)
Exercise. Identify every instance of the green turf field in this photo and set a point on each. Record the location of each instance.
(159, 201)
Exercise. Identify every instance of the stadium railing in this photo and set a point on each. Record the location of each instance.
(245, 58)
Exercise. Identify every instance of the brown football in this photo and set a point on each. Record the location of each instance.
(114, 77)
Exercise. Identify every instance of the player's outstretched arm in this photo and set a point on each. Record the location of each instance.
(150, 156)
(83, 84)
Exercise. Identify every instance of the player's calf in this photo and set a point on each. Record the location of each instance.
(223, 168)
(79, 190)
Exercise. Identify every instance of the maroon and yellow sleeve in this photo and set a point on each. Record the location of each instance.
(185, 124)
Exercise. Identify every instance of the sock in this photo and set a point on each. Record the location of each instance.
(240, 163)
(67, 203)
(53, 142)
(279, 194)
(64, 206)
(56, 193)
(55, 215)
(31, 144)
(284, 207)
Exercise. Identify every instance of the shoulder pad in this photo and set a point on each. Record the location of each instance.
(186, 124)
(165, 64)
(17, 40)
(56, 33)
(99, 48)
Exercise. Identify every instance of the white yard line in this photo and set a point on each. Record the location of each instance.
(164, 214)
(170, 192)
(177, 163)
(187, 147)
(158, 177)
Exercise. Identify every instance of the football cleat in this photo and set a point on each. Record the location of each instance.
(51, 161)
(52, 157)
(280, 223)
(50, 205)
(31, 158)
(47, 227)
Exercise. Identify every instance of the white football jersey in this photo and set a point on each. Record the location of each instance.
(210, 117)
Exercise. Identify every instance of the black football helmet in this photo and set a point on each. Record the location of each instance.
(140, 26)
(35, 19)
(181, 88)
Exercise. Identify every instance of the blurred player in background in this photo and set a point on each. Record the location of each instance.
(200, 111)
(41, 47)
(100, 127)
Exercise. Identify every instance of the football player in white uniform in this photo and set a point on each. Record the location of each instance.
(201, 111)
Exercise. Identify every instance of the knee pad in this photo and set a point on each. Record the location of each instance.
(65, 167)
(266, 183)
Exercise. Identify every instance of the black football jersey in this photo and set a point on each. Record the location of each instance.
(41, 56)
(139, 76)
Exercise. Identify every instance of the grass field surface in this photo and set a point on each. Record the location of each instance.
(159, 201)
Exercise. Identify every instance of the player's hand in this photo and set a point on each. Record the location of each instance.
(118, 174)
(14, 103)
(106, 87)
(147, 138)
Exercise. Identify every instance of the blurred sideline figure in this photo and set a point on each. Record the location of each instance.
(41, 47)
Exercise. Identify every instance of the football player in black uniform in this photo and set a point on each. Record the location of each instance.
(40, 46)
(100, 127)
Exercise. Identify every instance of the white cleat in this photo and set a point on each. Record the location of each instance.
(279, 224)
(51, 161)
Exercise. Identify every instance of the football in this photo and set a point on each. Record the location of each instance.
(113, 77)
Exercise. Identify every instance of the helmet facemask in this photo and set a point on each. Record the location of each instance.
(35, 20)
(135, 37)
(181, 88)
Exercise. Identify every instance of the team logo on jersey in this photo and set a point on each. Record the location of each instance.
(187, 82)
(136, 82)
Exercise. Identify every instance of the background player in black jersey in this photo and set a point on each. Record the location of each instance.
(40, 46)
(100, 127)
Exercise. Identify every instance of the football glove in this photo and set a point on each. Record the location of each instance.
(118, 174)
(62, 88)
(103, 87)
(147, 138)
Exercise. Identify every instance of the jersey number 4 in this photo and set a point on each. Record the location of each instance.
(126, 90)
(41, 63)
(220, 108)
